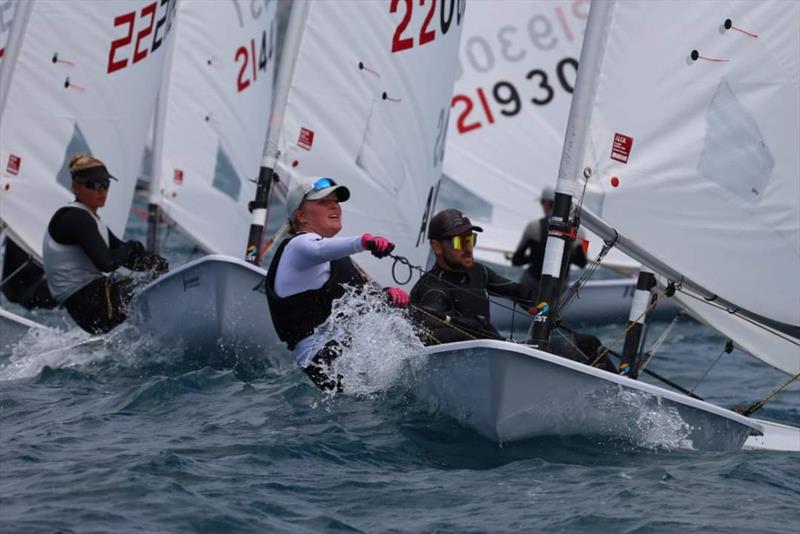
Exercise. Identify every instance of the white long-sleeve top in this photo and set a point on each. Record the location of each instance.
(305, 264)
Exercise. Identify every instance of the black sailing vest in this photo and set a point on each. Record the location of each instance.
(295, 317)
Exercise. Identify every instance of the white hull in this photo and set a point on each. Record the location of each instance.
(215, 305)
(509, 392)
(776, 437)
(13, 328)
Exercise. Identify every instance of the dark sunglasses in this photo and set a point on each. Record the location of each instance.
(105, 183)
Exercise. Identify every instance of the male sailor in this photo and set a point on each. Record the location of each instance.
(451, 301)
(530, 250)
(310, 270)
(79, 250)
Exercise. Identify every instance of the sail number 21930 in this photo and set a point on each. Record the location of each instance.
(403, 38)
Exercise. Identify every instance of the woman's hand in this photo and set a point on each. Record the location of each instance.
(397, 297)
(380, 247)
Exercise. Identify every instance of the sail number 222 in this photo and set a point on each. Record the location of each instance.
(150, 22)
(403, 38)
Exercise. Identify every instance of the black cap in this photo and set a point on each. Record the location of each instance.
(96, 173)
(449, 223)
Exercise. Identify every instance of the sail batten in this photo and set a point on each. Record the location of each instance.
(689, 148)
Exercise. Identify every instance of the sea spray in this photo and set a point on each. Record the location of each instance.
(647, 420)
(41, 348)
(380, 347)
(125, 347)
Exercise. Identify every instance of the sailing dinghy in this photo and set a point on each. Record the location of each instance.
(209, 130)
(59, 96)
(367, 105)
(687, 151)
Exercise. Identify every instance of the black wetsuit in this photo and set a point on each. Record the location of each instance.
(454, 305)
(101, 304)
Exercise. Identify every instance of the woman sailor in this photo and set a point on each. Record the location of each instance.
(309, 271)
(79, 249)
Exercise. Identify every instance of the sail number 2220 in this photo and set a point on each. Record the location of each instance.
(403, 38)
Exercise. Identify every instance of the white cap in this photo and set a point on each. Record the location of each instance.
(548, 194)
(313, 189)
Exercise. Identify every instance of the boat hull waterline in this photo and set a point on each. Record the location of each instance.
(509, 392)
(214, 305)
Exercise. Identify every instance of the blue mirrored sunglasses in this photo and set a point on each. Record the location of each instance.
(321, 184)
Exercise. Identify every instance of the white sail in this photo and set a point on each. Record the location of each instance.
(517, 68)
(691, 142)
(212, 119)
(77, 77)
(367, 103)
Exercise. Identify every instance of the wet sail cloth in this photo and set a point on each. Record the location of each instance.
(212, 118)
(365, 100)
(60, 96)
(690, 149)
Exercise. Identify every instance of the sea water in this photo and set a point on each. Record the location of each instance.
(119, 434)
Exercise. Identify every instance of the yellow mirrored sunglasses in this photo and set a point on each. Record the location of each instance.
(458, 241)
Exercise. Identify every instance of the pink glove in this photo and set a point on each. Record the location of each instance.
(379, 246)
(397, 297)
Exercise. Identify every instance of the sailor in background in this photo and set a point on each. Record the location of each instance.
(451, 300)
(79, 249)
(309, 271)
(530, 250)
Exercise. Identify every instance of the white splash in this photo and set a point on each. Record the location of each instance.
(651, 422)
(380, 345)
(126, 345)
(41, 348)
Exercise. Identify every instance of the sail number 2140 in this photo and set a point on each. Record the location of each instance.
(403, 38)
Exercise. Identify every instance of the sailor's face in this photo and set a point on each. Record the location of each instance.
(92, 198)
(323, 216)
(457, 259)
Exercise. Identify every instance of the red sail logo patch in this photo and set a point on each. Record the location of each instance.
(621, 149)
(306, 138)
(13, 164)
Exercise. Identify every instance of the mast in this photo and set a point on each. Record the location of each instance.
(258, 207)
(154, 193)
(19, 24)
(561, 226)
(728, 162)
